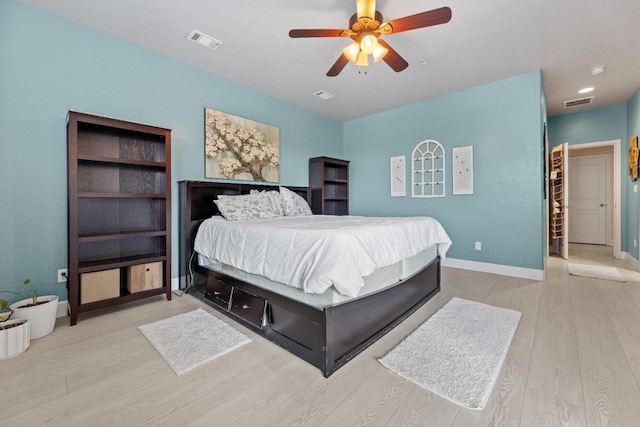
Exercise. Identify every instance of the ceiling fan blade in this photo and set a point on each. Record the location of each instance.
(393, 58)
(338, 66)
(315, 33)
(366, 8)
(421, 20)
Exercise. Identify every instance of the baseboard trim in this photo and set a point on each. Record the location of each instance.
(62, 310)
(463, 264)
(63, 306)
(503, 270)
(631, 260)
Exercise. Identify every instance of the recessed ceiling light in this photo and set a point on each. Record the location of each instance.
(597, 70)
(586, 90)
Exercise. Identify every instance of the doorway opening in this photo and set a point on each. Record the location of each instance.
(613, 200)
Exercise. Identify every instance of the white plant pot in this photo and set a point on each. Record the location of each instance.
(14, 341)
(42, 317)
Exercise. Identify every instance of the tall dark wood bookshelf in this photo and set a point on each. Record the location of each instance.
(329, 186)
(119, 212)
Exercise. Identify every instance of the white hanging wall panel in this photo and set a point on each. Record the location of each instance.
(427, 169)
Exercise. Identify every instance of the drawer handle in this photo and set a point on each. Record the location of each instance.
(246, 306)
(216, 293)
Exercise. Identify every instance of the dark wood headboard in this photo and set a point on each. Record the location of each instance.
(196, 204)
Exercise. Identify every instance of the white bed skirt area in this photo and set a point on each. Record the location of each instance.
(319, 252)
(380, 279)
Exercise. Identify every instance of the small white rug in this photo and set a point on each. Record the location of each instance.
(458, 352)
(596, 272)
(191, 339)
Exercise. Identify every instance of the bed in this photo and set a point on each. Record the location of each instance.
(325, 327)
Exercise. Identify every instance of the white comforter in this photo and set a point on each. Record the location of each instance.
(319, 251)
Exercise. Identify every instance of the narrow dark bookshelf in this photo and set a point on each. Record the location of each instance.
(329, 186)
(119, 212)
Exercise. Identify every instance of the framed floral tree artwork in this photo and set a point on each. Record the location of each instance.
(239, 148)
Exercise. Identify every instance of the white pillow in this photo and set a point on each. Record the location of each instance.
(274, 198)
(293, 204)
(246, 206)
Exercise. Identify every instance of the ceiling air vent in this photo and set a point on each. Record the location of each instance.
(576, 102)
(323, 94)
(204, 40)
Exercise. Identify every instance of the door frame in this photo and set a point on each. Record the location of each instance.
(617, 188)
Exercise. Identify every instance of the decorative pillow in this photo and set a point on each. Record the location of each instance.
(274, 199)
(246, 206)
(293, 204)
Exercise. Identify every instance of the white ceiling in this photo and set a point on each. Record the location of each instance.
(485, 41)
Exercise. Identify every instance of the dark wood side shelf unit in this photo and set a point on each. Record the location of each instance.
(329, 186)
(119, 212)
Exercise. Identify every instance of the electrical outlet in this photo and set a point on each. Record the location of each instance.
(478, 246)
(635, 243)
(62, 275)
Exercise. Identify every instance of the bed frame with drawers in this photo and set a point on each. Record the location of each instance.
(326, 338)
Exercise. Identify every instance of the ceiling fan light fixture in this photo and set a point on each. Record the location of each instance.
(368, 42)
(379, 53)
(365, 28)
(362, 59)
(351, 51)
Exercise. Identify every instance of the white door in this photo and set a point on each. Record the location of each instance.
(588, 200)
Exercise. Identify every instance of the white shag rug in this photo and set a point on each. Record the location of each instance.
(191, 339)
(458, 352)
(595, 272)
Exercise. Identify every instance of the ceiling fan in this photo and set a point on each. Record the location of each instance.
(365, 28)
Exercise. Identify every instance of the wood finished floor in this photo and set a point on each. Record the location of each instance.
(574, 361)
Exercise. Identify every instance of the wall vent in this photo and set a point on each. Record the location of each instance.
(204, 40)
(323, 94)
(577, 102)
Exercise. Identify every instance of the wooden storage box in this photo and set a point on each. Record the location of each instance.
(143, 277)
(99, 285)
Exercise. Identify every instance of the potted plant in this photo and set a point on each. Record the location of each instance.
(40, 311)
(14, 334)
(5, 313)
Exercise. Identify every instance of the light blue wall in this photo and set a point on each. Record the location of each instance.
(633, 206)
(49, 65)
(544, 148)
(602, 124)
(633, 115)
(503, 122)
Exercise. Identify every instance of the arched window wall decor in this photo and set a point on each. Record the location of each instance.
(427, 169)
